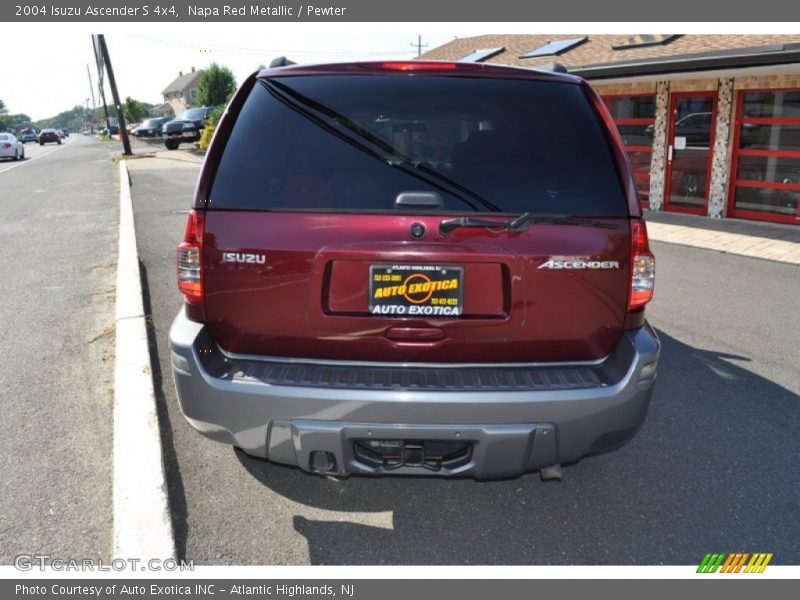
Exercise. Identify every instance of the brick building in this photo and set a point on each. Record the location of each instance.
(711, 122)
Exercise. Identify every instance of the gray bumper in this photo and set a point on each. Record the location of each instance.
(270, 410)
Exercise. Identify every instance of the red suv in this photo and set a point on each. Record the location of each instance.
(415, 268)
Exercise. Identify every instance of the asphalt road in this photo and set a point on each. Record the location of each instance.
(33, 152)
(713, 469)
(58, 233)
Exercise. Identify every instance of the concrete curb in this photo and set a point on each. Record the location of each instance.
(142, 521)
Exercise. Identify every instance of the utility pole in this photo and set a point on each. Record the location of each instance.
(99, 58)
(94, 105)
(419, 45)
(123, 132)
(91, 87)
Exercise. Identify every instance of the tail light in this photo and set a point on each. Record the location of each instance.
(6, 145)
(190, 259)
(643, 267)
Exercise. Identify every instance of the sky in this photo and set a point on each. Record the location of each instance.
(46, 73)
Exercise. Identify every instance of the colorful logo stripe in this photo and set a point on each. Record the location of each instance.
(734, 562)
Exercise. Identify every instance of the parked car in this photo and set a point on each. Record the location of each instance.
(151, 127)
(696, 128)
(60, 133)
(11, 147)
(187, 127)
(27, 134)
(400, 268)
(48, 135)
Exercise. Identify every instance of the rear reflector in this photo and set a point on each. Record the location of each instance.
(190, 259)
(643, 267)
(419, 66)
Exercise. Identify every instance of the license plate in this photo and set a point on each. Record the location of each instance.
(416, 290)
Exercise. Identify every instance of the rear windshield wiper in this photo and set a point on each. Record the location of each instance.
(521, 222)
(351, 132)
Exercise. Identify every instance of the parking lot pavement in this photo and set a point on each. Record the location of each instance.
(155, 146)
(714, 466)
(58, 233)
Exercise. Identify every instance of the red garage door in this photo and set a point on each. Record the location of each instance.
(635, 116)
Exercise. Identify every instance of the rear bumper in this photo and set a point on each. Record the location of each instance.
(517, 420)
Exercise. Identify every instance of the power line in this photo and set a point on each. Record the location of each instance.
(251, 50)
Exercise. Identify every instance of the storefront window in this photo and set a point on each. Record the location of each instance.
(635, 120)
(766, 177)
(770, 137)
(771, 105)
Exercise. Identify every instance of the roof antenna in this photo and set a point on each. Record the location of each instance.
(555, 67)
(281, 61)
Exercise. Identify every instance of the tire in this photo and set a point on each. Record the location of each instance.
(171, 144)
(59, 142)
(41, 143)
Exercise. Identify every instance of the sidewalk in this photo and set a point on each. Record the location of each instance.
(770, 241)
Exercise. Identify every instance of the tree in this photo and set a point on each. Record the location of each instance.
(14, 122)
(215, 85)
(134, 110)
(3, 109)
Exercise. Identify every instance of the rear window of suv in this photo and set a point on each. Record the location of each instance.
(341, 142)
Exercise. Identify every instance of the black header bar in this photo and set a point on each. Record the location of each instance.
(496, 11)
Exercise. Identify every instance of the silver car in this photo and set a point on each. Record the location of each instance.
(27, 135)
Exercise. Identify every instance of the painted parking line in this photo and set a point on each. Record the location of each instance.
(27, 161)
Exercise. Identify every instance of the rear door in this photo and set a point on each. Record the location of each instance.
(309, 254)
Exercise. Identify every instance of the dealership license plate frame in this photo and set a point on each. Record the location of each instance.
(443, 303)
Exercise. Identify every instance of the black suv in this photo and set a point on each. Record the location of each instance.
(187, 127)
(151, 127)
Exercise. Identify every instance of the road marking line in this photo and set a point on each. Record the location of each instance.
(142, 521)
(32, 158)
